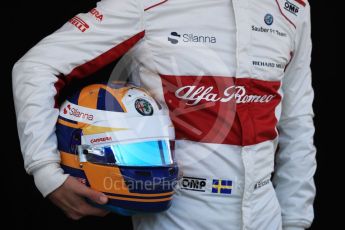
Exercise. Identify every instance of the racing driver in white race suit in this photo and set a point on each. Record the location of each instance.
(235, 77)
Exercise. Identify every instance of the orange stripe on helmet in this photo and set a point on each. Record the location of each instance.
(140, 200)
(88, 96)
(91, 129)
(105, 178)
(118, 94)
(70, 160)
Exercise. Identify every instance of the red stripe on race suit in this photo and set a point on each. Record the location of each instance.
(59, 85)
(105, 58)
(282, 13)
(97, 63)
(222, 110)
(153, 6)
(302, 2)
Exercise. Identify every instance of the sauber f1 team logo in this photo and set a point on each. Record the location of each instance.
(79, 23)
(268, 19)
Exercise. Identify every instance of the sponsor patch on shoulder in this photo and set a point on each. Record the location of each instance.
(79, 23)
(291, 10)
(290, 7)
(97, 14)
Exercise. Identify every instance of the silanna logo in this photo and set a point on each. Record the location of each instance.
(176, 38)
(69, 110)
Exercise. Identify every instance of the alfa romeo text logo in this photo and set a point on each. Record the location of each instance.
(193, 95)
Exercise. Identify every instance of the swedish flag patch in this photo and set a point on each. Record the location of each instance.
(222, 186)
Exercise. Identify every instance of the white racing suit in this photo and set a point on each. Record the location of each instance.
(235, 77)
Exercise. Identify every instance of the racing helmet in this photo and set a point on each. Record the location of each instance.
(117, 139)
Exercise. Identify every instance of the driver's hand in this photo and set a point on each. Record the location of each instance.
(70, 197)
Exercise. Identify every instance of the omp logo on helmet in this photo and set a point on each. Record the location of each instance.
(194, 184)
(175, 38)
(98, 15)
(290, 7)
(79, 23)
(76, 113)
(143, 107)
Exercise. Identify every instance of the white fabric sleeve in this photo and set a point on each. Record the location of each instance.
(293, 228)
(295, 160)
(82, 46)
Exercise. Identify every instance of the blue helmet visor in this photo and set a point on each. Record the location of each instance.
(145, 154)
